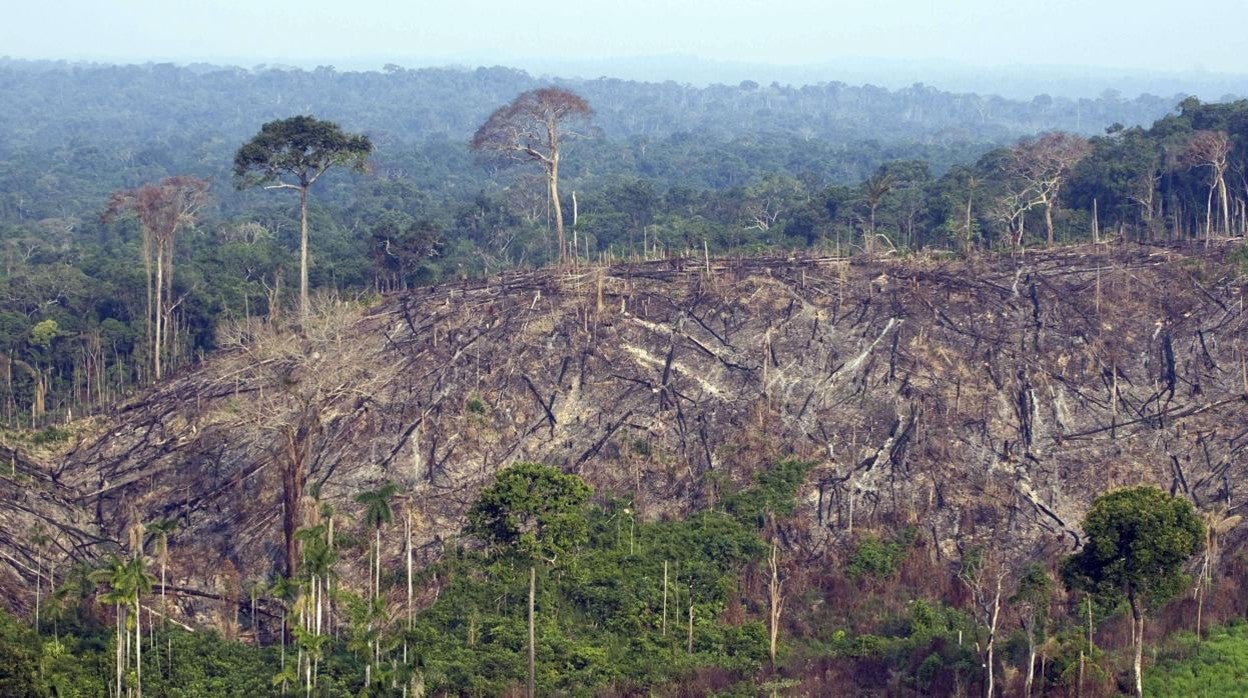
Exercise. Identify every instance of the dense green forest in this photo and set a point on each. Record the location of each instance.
(664, 169)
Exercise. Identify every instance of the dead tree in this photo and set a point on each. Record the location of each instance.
(984, 577)
(300, 385)
(1040, 167)
(163, 209)
(1211, 149)
(775, 595)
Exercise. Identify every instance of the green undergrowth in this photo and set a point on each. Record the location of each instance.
(1218, 666)
(601, 618)
(603, 622)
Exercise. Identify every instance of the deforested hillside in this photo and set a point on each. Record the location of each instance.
(991, 398)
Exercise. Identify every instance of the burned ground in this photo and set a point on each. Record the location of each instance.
(978, 400)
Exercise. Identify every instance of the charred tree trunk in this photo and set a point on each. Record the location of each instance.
(298, 446)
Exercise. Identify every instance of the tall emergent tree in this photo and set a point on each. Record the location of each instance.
(1136, 541)
(163, 210)
(532, 129)
(292, 154)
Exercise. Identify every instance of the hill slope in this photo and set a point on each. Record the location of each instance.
(981, 400)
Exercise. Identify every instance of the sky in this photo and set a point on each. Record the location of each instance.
(1131, 35)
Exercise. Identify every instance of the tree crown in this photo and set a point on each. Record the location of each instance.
(162, 208)
(1137, 540)
(530, 127)
(535, 509)
(377, 511)
(302, 147)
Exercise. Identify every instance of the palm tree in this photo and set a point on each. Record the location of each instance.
(377, 513)
(284, 591)
(58, 601)
(162, 529)
(127, 582)
(318, 562)
(114, 574)
(255, 590)
(367, 616)
(139, 582)
(313, 645)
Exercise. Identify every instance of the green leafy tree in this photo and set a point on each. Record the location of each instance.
(1137, 541)
(534, 509)
(292, 154)
(284, 591)
(377, 513)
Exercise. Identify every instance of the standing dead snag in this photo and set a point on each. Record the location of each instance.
(1040, 166)
(163, 210)
(301, 389)
(532, 129)
(1211, 149)
(1217, 524)
(984, 577)
(775, 594)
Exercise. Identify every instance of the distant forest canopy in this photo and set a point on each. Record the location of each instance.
(665, 168)
(131, 123)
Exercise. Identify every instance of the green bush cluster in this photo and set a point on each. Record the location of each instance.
(879, 558)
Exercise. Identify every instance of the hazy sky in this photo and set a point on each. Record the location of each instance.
(1133, 34)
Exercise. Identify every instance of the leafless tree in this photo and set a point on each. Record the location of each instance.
(1218, 523)
(775, 595)
(301, 387)
(1040, 167)
(163, 210)
(533, 128)
(1211, 149)
(984, 576)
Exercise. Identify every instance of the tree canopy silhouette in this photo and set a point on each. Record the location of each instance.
(532, 128)
(292, 154)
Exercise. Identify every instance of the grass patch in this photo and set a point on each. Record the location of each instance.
(1216, 667)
